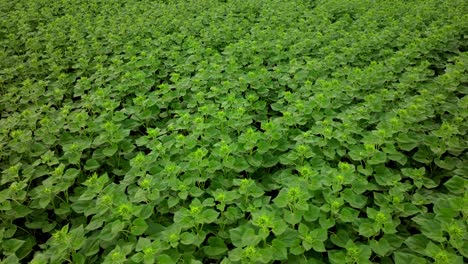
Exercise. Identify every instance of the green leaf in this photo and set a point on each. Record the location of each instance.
(255, 160)
(94, 224)
(318, 246)
(312, 214)
(367, 229)
(215, 247)
(71, 174)
(187, 238)
(20, 210)
(336, 256)
(91, 165)
(381, 247)
(235, 255)
(292, 217)
(280, 251)
(417, 243)
(279, 227)
(243, 236)
(183, 218)
(11, 259)
(378, 158)
(430, 227)
(326, 222)
(340, 238)
(12, 245)
(448, 163)
(354, 199)
(78, 258)
(78, 238)
(110, 150)
(110, 231)
(456, 184)
(209, 216)
(143, 243)
(463, 249)
(348, 215)
(139, 226)
(432, 250)
(37, 149)
(407, 258)
(319, 234)
(423, 155)
(165, 259)
(281, 200)
(29, 243)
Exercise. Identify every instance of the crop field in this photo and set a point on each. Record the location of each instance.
(234, 132)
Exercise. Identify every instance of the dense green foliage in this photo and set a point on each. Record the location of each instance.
(238, 131)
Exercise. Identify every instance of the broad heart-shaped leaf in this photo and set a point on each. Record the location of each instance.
(312, 214)
(279, 249)
(348, 215)
(200, 237)
(354, 199)
(367, 228)
(364, 254)
(381, 247)
(238, 164)
(432, 250)
(183, 218)
(326, 222)
(336, 256)
(463, 248)
(138, 227)
(279, 226)
(378, 158)
(4, 195)
(27, 247)
(448, 163)
(456, 184)
(209, 216)
(11, 259)
(430, 227)
(77, 237)
(165, 259)
(215, 247)
(417, 243)
(281, 200)
(269, 160)
(340, 238)
(292, 217)
(78, 258)
(395, 155)
(111, 230)
(143, 243)
(423, 155)
(234, 255)
(10, 246)
(303, 229)
(384, 176)
(243, 236)
(110, 150)
(255, 160)
(297, 250)
(319, 234)
(408, 258)
(91, 165)
(318, 246)
(187, 238)
(71, 173)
